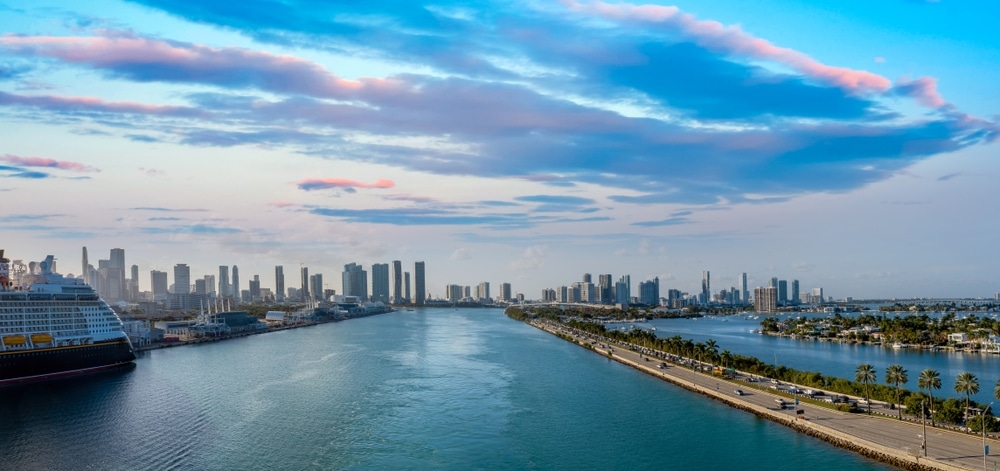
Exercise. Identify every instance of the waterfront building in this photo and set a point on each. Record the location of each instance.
(453, 292)
(421, 289)
(765, 299)
(548, 295)
(467, 292)
(782, 292)
(158, 284)
(795, 292)
(622, 296)
(236, 292)
(355, 281)
(406, 286)
(279, 283)
(380, 283)
(397, 282)
(562, 294)
(744, 290)
(210, 285)
(483, 292)
(706, 287)
(505, 292)
(588, 293)
(182, 278)
(817, 294)
(114, 280)
(224, 291)
(316, 286)
(199, 287)
(586, 278)
(304, 287)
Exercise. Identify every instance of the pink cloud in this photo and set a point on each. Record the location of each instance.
(173, 61)
(59, 103)
(923, 90)
(282, 204)
(733, 40)
(310, 184)
(47, 163)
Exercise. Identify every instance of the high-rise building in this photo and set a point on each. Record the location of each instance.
(380, 282)
(115, 281)
(199, 287)
(483, 291)
(622, 294)
(255, 288)
(744, 290)
(548, 295)
(782, 292)
(421, 290)
(706, 287)
(587, 278)
(85, 271)
(649, 292)
(607, 289)
(505, 292)
(406, 286)
(795, 292)
(158, 284)
(588, 292)
(237, 294)
(224, 281)
(304, 289)
(316, 286)
(182, 279)
(397, 282)
(454, 293)
(279, 283)
(134, 286)
(765, 299)
(773, 283)
(355, 281)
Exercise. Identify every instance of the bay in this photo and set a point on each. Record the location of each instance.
(425, 389)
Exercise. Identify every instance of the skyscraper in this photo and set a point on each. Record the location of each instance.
(316, 286)
(158, 284)
(795, 292)
(421, 290)
(116, 275)
(224, 281)
(304, 289)
(380, 282)
(606, 288)
(765, 299)
(744, 291)
(587, 278)
(182, 279)
(255, 288)
(706, 287)
(406, 286)
(279, 283)
(397, 282)
(85, 271)
(505, 292)
(134, 287)
(355, 281)
(782, 292)
(237, 295)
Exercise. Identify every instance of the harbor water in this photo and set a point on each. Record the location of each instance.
(425, 389)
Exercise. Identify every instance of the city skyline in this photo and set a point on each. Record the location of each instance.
(843, 143)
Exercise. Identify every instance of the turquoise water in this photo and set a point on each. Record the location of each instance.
(428, 389)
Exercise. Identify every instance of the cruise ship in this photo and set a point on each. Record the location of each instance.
(51, 325)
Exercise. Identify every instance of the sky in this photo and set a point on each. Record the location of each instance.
(849, 145)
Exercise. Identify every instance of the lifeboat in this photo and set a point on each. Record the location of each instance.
(41, 338)
(15, 340)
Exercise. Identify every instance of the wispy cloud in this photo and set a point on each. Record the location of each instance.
(310, 184)
(170, 210)
(47, 163)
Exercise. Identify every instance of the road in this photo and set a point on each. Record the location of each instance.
(899, 439)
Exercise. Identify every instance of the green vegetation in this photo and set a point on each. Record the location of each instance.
(865, 374)
(929, 379)
(896, 374)
(915, 329)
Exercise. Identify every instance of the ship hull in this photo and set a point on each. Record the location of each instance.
(44, 363)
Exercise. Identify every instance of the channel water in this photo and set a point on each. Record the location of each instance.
(426, 389)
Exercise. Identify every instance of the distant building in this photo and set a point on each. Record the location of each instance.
(397, 282)
(316, 286)
(606, 288)
(279, 283)
(706, 287)
(765, 299)
(744, 290)
(380, 283)
(649, 292)
(406, 287)
(236, 292)
(355, 281)
(782, 292)
(795, 292)
(421, 290)
(505, 292)
(304, 288)
(224, 290)
(182, 279)
(483, 292)
(158, 283)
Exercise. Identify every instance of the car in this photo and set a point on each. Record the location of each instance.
(739, 392)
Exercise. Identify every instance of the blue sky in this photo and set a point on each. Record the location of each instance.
(844, 144)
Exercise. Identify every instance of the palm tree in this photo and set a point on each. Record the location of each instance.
(865, 374)
(896, 374)
(996, 390)
(929, 379)
(711, 349)
(727, 357)
(967, 383)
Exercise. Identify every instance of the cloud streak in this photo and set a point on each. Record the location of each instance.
(47, 163)
(310, 184)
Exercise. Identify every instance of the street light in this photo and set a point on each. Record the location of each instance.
(982, 425)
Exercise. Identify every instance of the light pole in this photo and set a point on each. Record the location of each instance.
(923, 422)
(982, 425)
